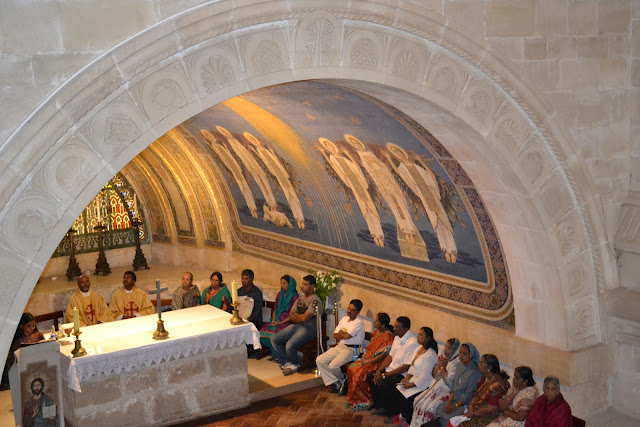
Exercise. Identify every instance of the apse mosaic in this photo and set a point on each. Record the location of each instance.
(335, 167)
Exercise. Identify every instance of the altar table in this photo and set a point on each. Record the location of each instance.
(128, 378)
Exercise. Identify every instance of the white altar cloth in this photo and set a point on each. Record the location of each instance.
(128, 344)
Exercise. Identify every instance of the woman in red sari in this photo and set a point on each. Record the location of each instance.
(359, 395)
(550, 409)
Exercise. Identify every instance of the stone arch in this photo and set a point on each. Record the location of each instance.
(127, 98)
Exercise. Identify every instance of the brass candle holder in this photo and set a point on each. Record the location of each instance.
(139, 261)
(102, 266)
(78, 351)
(235, 318)
(160, 333)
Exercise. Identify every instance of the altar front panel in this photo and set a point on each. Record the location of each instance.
(200, 370)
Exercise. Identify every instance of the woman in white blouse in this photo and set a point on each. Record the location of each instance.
(399, 402)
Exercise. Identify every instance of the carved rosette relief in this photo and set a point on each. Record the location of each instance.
(119, 131)
(114, 127)
(532, 166)
(213, 68)
(217, 73)
(406, 65)
(576, 281)
(163, 92)
(509, 131)
(532, 163)
(445, 80)
(35, 215)
(567, 239)
(478, 103)
(316, 40)
(571, 239)
(70, 169)
(266, 58)
(582, 322)
(554, 199)
(364, 55)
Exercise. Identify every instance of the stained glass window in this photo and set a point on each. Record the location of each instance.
(113, 207)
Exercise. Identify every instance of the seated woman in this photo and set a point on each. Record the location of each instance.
(461, 385)
(359, 395)
(285, 300)
(516, 405)
(550, 409)
(483, 407)
(425, 404)
(217, 294)
(27, 333)
(399, 400)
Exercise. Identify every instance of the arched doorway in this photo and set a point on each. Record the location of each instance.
(122, 102)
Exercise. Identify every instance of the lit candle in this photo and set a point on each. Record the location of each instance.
(234, 292)
(76, 320)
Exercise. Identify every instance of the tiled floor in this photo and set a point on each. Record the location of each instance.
(312, 407)
(319, 407)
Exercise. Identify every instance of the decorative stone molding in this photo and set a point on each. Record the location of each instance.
(131, 95)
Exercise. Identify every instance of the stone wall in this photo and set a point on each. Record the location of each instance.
(176, 390)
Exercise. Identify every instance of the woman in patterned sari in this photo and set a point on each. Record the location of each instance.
(359, 395)
(285, 300)
(424, 406)
(516, 405)
(483, 407)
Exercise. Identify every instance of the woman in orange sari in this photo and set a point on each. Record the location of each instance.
(359, 395)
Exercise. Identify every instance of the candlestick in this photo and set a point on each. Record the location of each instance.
(74, 268)
(102, 266)
(139, 261)
(99, 205)
(78, 351)
(135, 205)
(76, 320)
(235, 318)
(234, 292)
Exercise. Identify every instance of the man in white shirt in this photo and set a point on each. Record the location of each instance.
(350, 335)
(395, 366)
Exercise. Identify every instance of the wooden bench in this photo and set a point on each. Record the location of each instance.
(55, 316)
(577, 422)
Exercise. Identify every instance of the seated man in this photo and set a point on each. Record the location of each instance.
(91, 306)
(248, 289)
(350, 335)
(395, 366)
(187, 295)
(302, 316)
(129, 301)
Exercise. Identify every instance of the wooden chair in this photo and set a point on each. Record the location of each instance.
(577, 422)
(309, 350)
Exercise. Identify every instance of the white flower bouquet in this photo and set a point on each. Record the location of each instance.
(325, 283)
